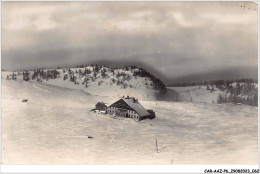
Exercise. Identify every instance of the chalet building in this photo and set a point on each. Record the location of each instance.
(101, 106)
(129, 107)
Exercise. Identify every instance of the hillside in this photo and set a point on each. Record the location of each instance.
(240, 91)
(98, 80)
(53, 128)
(196, 94)
(137, 82)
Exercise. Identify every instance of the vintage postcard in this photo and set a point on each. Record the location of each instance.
(129, 83)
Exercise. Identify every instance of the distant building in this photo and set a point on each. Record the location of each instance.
(101, 106)
(129, 107)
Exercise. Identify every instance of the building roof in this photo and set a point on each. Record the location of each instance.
(135, 105)
(101, 103)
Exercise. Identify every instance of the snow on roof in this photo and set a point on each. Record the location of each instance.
(135, 105)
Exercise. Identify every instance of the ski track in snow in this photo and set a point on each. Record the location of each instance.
(54, 125)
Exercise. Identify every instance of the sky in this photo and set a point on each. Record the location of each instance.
(173, 40)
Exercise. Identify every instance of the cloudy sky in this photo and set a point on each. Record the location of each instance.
(171, 39)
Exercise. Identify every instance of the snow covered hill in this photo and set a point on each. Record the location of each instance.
(54, 125)
(196, 94)
(137, 82)
(97, 80)
(246, 93)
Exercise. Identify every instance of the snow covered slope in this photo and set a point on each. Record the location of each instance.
(97, 80)
(54, 125)
(246, 93)
(196, 94)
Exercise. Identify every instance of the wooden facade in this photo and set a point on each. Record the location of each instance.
(129, 108)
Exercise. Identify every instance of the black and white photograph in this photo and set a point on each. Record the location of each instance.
(129, 83)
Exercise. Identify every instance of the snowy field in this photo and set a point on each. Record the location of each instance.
(54, 125)
(196, 94)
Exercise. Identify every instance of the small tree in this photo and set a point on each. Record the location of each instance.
(26, 76)
(65, 77)
(220, 99)
(80, 72)
(212, 89)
